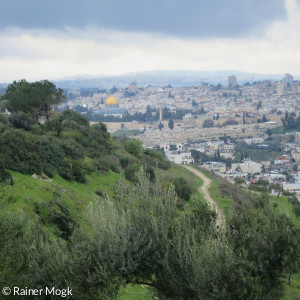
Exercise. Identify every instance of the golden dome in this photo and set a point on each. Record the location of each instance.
(111, 100)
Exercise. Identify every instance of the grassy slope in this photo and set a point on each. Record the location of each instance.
(28, 191)
(224, 193)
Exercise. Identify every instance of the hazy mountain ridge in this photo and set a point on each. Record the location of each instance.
(159, 78)
(162, 77)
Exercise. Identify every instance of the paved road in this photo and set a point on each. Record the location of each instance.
(204, 190)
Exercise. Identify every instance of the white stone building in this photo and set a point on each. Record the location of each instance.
(247, 166)
(177, 154)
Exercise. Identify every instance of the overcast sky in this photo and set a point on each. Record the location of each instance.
(53, 39)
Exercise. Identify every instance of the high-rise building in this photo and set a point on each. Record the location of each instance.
(288, 80)
(280, 88)
(232, 81)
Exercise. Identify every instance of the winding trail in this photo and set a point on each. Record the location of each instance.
(204, 191)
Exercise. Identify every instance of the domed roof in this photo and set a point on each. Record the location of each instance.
(111, 100)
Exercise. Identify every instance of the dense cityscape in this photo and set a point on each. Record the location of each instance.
(238, 128)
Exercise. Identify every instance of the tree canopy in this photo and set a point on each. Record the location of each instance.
(36, 99)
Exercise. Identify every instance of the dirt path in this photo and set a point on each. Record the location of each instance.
(204, 190)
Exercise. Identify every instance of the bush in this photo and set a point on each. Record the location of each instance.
(72, 149)
(133, 146)
(51, 151)
(113, 163)
(56, 213)
(49, 170)
(182, 188)
(78, 171)
(124, 162)
(130, 172)
(77, 118)
(65, 170)
(101, 165)
(150, 173)
(21, 120)
(5, 176)
(164, 165)
(3, 118)
(230, 122)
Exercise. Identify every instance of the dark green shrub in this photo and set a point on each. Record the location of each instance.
(100, 192)
(51, 151)
(70, 125)
(78, 172)
(21, 120)
(58, 214)
(72, 170)
(3, 118)
(20, 152)
(101, 165)
(65, 170)
(124, 162)
(55, 125)
(5, 176)
(77, 118)
(130, 172)
(133, 146)
(182, 188)
(150, 172)
(72, 149)
(49, 170)
(113, 163)
(164, 165)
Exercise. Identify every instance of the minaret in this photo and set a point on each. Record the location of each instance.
(160, 114)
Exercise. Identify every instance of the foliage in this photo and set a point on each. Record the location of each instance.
(49, 170)
(201, 157)
(171, 124)
(182, 188)
(133, 146)
(28, 256)
(239, 180)
(19, 152)
(254, 235)
(130, 172)
(21, 120)
(230, 122)
(5, 176)
(3, 118)
(36, 99)
(291, 121)
(262, 120)
(140, 236)
(161, 126)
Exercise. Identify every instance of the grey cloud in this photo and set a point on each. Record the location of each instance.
(189, 18)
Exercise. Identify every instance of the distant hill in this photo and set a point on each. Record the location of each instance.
(162, 78)
(159, 78)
